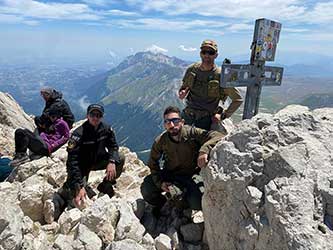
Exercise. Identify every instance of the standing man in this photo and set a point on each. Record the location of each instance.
(201, 87)
(92, 146)
(53, 100)
(184, 150)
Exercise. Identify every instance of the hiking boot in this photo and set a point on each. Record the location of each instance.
(19, 159)
(90, 192)
(106, 187)
(34, 156)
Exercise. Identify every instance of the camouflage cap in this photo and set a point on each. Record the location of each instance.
(209, 43)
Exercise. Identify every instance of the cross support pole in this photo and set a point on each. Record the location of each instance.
(256, 75)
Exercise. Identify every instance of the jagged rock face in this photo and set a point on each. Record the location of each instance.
(103, 223)
(269, 183)
(11, 117)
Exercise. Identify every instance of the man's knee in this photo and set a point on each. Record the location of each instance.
(151, 193)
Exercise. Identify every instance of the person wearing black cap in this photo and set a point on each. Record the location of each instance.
(92, 146)
(43, 144)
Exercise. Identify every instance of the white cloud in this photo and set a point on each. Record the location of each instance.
(240, 27)
(295, 30)
(4, 18)
(156, 49)
(31, 8)
(83, 103)
(189, 49)
(279, 10)
(171, 25)
(122, 13)
(112, 54)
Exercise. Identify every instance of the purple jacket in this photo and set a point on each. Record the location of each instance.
(59, 137)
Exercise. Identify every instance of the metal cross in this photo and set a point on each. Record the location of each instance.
(256, 74)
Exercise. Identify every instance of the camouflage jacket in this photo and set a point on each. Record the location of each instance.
(180, 158)
(205, 92)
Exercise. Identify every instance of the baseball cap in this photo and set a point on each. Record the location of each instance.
(209, 43)
(97, 107)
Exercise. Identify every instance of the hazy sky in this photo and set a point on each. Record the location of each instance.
(99, 29)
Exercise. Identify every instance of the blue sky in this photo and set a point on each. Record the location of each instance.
(102, 29)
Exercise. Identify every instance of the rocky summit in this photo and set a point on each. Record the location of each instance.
(268, 185)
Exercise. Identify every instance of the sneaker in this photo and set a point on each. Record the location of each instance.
(34, 156)
(19, 159)
(106, 187)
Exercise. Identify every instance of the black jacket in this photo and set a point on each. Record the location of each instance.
(86, 148)
(55, 102)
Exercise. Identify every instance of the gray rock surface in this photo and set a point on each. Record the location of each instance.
(269, 183)
(163, 242)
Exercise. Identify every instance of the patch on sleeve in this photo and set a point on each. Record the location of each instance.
(72, 142)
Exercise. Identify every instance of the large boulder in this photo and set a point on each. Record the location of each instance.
(269, 183)
(12, 117)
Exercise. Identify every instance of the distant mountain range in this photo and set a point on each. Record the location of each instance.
(136, 91)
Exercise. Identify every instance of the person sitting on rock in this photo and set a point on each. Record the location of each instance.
(184, 150)
(92, 146)
(53, 100)
(43, 144)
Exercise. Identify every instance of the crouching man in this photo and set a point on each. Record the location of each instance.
(92, 146)
(184, 150)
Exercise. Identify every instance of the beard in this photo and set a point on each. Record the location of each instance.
(174, 131)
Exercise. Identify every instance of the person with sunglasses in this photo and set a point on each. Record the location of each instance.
(184, 150)
(92, 146)
(204, 96)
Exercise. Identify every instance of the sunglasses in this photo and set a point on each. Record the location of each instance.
(173, 120)
(209, 52)
(95, 114)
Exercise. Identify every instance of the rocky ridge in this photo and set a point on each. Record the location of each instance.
(269, 183)
(123, 222)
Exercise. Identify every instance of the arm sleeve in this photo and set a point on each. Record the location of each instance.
(74, 175)
(188, 79)
(207, 139)
(153, 162)
(236, 100)
(62, 132)
(112, 147)
(67, 113)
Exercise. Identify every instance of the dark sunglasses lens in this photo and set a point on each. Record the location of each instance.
(173, 120)
(209, 52)
(97, 115)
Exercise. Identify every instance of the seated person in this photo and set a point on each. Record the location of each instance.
(43, 144)
(184, 150)
(92, 146)
(53, 100)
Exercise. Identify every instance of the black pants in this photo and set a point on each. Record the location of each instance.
(25, 139)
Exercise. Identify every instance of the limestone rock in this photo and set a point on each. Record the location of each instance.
(129, 226)
(63, 242)
(163, 242)
(125, 244)
(268, 184)
(12, 117)
(11, 223)
(87, 238)
(102, 218)
(69, 219)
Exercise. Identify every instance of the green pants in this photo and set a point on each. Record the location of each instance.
(192, 194)
(203, 122)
